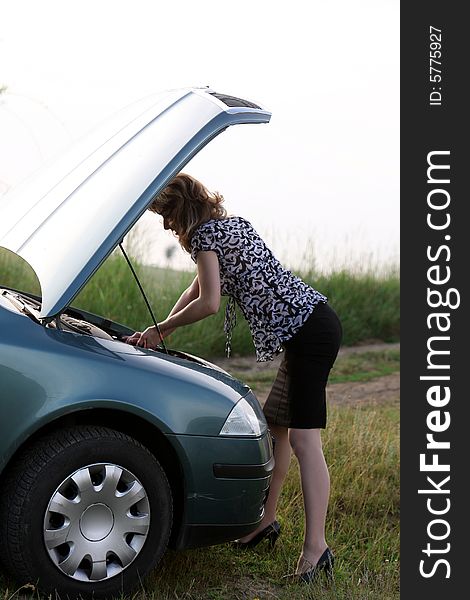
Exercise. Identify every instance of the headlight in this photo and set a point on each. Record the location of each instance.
(243, 421)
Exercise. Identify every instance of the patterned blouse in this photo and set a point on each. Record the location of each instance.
(275, 302)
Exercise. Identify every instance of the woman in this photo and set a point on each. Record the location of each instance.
(283, 313)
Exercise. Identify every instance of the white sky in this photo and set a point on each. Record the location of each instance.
(322, 177)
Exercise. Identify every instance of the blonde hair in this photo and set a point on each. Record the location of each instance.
(187, 203)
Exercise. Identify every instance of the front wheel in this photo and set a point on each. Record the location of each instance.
(85, 511)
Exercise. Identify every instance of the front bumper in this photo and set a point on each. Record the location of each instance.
(226, 486)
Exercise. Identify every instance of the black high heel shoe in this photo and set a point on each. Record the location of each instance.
(270, 533)
(325, 564)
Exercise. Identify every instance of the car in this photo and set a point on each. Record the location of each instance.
(110, 453)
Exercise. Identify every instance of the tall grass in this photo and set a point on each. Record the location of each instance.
(366, 302)
(16, 273)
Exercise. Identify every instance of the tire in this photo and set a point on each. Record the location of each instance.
(85, 511)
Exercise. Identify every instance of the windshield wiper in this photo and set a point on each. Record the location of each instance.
(21, 305)
(145, 297)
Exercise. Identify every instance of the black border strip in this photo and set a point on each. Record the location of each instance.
(434, 525)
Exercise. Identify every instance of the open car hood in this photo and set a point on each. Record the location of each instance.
(66, 219)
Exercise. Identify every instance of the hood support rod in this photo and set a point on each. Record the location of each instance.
(145, 297)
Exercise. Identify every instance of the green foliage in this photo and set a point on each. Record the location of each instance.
(367, 304)
(17, 274)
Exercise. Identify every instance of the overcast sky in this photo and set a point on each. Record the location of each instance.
(322, 177)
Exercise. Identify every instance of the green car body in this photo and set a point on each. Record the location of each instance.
(52, 379)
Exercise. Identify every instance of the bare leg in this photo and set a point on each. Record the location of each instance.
(282, 456)
(315, 479)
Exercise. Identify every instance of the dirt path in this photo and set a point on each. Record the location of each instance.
(380, 390)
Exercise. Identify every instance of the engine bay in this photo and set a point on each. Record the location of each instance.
(72, 320)
(79, 321)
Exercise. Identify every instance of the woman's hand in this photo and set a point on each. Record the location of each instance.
(148, 338)
(132, 339)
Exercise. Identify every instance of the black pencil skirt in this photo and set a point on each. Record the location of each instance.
(298, 396)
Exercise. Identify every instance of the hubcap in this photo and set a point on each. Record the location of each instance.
(96, 522)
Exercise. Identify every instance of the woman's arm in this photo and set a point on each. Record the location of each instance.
(191, 308)
(189, 294)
